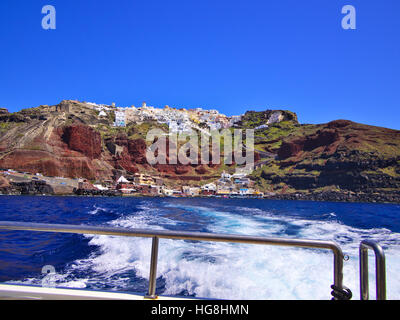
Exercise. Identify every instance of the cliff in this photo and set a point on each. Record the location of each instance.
(339, 159)
(71, 140)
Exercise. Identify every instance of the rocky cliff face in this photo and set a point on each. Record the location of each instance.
(253, 119)
(336, 158)
(70, 140)
(53, 140)
(25, 188)
(83, 139)
(339, 157)
(325, 139)
(4, 185)
(126, 153)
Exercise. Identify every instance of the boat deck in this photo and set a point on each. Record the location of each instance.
(30, 292)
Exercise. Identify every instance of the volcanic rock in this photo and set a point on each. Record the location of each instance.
(83, 139)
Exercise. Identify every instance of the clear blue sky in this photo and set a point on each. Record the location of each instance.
(225, 54)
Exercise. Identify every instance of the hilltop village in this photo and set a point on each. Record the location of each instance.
(178, 120)
(127, 183)
(85, 148)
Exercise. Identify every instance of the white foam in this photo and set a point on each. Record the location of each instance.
(238, 271)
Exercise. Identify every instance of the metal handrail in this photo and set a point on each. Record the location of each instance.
(157, 234)
(380, 270)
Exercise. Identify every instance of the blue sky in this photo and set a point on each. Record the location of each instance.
(229, 55)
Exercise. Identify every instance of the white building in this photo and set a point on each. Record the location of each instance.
(209, 187)
(239, 175)
(120, 119)
(168, 192)
(122, 179)
(234, 119)
(100, 187)
(261, 127)
(180, 126)
(225, 175)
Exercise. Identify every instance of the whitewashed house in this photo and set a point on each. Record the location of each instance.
(120, 119)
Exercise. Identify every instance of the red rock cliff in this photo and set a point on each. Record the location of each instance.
(83, 139)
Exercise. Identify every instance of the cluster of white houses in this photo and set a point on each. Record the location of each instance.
(178, 120)
(228, 185)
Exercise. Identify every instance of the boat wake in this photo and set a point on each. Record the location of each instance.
(225, 270)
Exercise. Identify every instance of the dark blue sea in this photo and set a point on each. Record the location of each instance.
(200, 269)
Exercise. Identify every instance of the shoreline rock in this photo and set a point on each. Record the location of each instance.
(327, 196)
(331, 196)
(29, 188)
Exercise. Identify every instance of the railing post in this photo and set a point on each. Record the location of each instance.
(339, 292)
(364, 278)
(380, 273)
(380, 270)
(153, 269)
(338, 269)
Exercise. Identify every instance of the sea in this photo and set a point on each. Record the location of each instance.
(195, 268)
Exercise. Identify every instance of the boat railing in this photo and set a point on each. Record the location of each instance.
(380, 270)
(339, 291)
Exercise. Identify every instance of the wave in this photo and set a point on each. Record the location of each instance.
(226, 270)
